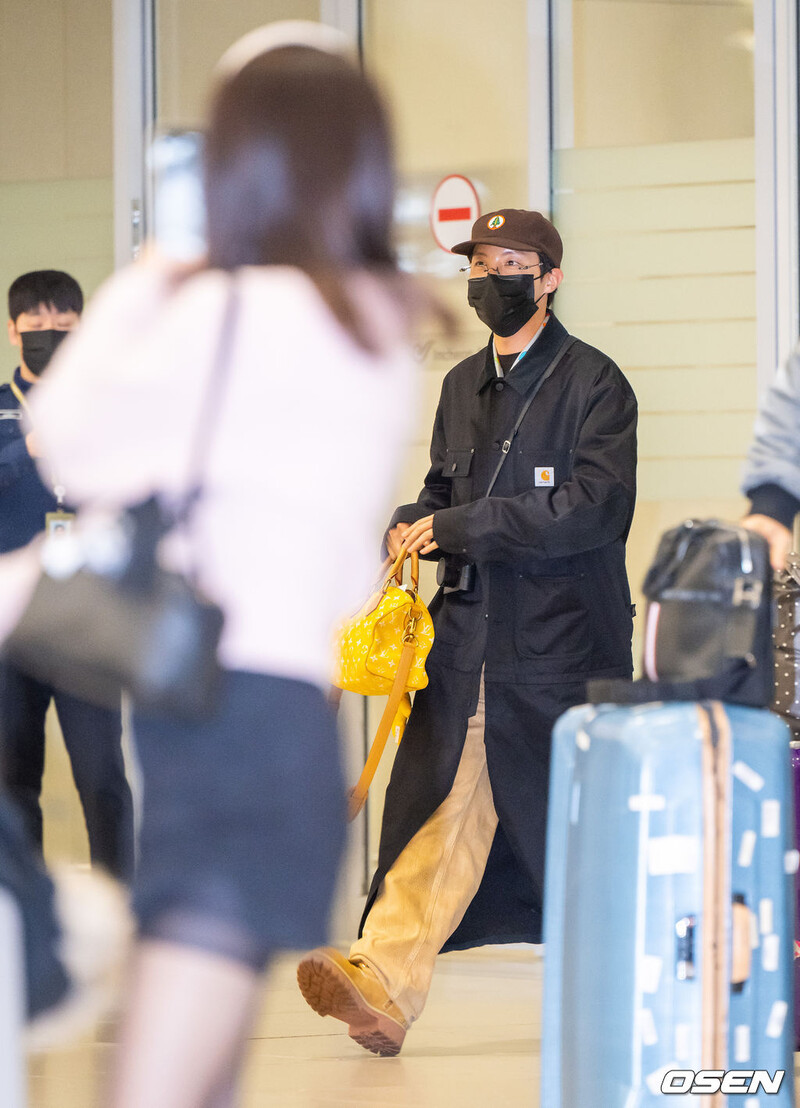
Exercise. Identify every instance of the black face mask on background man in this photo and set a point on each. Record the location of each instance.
(504, 304)
(38, 347)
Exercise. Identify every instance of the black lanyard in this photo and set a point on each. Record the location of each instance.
(506, 447)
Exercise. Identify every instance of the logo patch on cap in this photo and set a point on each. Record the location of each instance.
(495, 222)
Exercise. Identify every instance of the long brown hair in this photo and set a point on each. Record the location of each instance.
(299, 172)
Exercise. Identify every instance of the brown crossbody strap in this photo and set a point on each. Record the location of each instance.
(358, 794)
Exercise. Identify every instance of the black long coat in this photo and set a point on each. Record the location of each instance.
(550, 607)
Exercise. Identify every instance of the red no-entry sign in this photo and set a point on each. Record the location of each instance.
(454, 209)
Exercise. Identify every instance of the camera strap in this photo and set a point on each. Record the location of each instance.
(506, 447)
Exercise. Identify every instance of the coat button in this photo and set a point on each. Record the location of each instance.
(498, 387)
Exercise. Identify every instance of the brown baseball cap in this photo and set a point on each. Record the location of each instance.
(515, 229)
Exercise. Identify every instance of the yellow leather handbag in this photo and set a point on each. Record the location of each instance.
(381, 651)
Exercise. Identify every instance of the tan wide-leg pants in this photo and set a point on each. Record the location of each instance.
(426, 892)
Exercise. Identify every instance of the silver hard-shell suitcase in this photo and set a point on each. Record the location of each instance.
(668, 909)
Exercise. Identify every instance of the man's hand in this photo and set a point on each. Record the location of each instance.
(394, 539)
(419, 536)
(778, 537)
(32, 445)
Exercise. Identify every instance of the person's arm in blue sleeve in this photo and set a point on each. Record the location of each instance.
(589, 510)
(771, 477)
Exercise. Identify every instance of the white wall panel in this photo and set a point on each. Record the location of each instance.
(700, 344)
(722, 388)
(668, 208)
(678, 297)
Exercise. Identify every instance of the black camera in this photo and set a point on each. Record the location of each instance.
(455, 576)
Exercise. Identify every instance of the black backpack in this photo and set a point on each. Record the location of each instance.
(709, 620)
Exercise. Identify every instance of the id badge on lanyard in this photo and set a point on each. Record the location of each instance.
(58, 524)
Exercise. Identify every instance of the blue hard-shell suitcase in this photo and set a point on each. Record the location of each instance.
(669, 908)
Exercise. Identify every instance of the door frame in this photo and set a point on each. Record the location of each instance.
(776, 155)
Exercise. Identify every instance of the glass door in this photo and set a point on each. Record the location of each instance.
(654, 179)
(165, 53)
(189, 38)
(467, 85)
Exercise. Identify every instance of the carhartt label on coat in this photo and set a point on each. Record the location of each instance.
(650, 967)
(791, 861)
(741, 1043)
(543, 475)
(747, 848)
(673, 854)
(647, 802)
(771, 953)
(748, 776)
(766, 916)
(771, 819)
(777, 1019)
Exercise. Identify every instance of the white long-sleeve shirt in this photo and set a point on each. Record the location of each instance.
(307, 436)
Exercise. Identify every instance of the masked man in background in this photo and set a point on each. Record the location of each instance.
(534, 602)
(43, 307)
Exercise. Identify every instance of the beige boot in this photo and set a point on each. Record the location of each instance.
(334, 986)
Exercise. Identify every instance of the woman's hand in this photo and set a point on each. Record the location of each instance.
(394, 540)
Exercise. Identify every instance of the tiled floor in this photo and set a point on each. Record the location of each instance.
(476, 1046)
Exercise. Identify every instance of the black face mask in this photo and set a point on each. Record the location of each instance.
(504, 304)
(38, 347)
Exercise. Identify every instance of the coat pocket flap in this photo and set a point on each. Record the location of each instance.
(458, 463)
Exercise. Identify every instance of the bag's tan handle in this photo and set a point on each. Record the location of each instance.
(396, 570)
(358, 794)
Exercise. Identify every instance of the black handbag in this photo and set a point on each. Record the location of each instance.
(709, 621)
(106, 617)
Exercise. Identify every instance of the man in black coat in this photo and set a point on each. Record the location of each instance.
(534, 602)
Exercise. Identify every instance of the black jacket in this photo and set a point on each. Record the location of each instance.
(551, 598)
(549, 609)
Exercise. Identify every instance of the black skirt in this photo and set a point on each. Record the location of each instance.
(243, 821)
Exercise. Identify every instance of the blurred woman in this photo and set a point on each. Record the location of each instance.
(243, 816)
